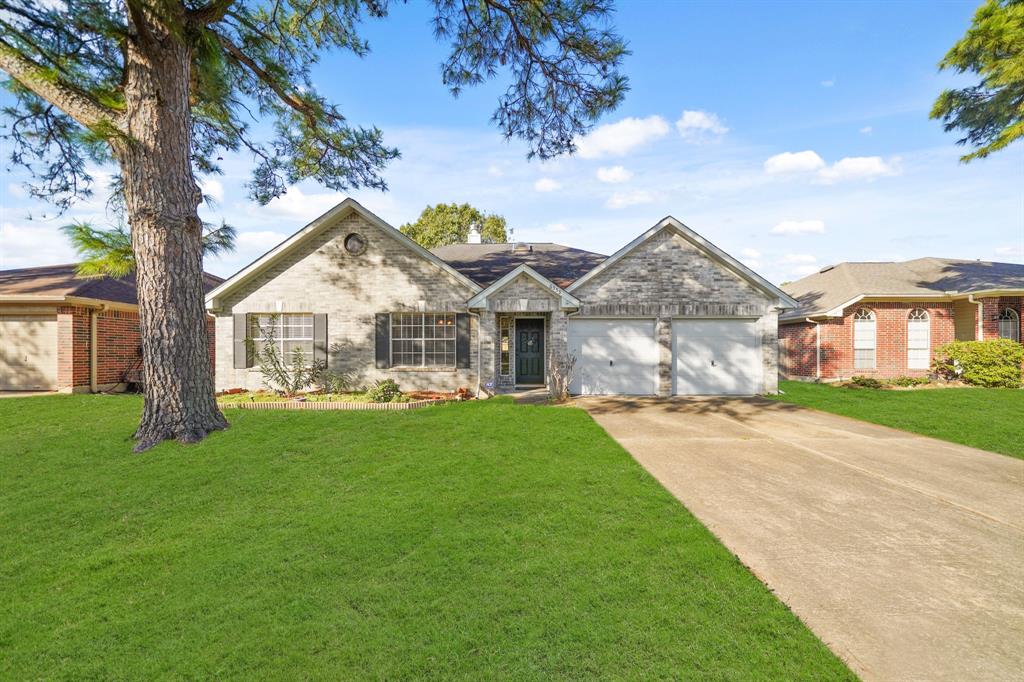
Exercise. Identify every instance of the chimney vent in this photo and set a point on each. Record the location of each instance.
(474, 235)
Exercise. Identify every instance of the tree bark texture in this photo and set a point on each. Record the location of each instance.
(162, 199)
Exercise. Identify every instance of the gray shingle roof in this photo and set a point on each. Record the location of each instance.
(487, 263)
(823, 291)
(61, 280)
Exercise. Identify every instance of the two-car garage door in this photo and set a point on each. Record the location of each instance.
(709, 357)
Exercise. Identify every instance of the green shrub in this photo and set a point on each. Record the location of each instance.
(384, 391)
(907, 382)
(865, 382)
(992, 364)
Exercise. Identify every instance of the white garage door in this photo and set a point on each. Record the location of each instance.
(28, 352)
(614, 357)
(716, 357)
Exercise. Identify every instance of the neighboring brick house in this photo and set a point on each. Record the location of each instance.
(63, 332)
(886, 319)
(669, 313)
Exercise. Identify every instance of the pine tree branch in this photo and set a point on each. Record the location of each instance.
(40, 80)
(210, 13)
(288, 98)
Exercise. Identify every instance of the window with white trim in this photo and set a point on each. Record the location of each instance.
(864, 339)
(1009, 325)
(919, 338)
(289, 330)
(423, 339)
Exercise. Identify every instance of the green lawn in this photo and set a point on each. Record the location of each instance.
(473, 541)
(986, 418)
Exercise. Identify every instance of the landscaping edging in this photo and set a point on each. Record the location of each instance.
(328, 405)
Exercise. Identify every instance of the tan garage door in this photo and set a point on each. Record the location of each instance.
(28, 352)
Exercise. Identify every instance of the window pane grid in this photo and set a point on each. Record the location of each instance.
(423, 339)
(291, 331)
(918, 339)
(864, 339)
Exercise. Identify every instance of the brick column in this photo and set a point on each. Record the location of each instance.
(488, 353)
(663, 333)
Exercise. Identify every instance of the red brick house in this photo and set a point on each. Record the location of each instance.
(886, 319)
(63, 332)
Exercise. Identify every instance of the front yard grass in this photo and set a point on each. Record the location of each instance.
(986, 418)
(471, 541)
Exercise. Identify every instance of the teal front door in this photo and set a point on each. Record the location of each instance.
(530, 351)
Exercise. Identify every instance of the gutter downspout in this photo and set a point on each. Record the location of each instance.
(93, 354)
(979, 327)
(817, 348)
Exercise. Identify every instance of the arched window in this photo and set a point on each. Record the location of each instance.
(919, 339)
(863, 339)
(1009, 325)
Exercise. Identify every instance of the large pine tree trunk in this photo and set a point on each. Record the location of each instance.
(162, 200)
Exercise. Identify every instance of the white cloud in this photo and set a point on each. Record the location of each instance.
(700, 126)
(752, 257)
(16, 190)
(828, 83)
(261, 240)
(866, 130)
(614, 174)
(547, 185)
(297, 206)
(848, 168)
(212, 188)
(799, 227)
(495, 171)
(622, 137)
(557, 227)
(799, 258)
(804, 270)
(859, 168)
(794, 162)
(624, 199)
(27, 245)
(1012, 251)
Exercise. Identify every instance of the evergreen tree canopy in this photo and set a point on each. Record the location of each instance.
(252, 61)
(990, 114)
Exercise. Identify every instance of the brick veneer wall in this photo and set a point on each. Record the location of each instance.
(992, 308)
(798, 351)
(668, 277)
(837, 341)
(322, 277)
(118, 344)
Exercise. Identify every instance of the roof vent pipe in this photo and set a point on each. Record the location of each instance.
(474, 235)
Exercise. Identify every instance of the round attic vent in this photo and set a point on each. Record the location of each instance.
(355, 244)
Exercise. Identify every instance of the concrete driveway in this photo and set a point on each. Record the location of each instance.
(903, 553)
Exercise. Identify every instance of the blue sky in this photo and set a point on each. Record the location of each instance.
(793, 135)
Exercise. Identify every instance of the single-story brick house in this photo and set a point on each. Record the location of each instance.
(669, 313)
(886, 319)
(60, 331)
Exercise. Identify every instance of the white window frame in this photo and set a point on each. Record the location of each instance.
(922, 358)
(414, 326)
(1009, 324)
(505, 332)
(860, 318)
(284, 341)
